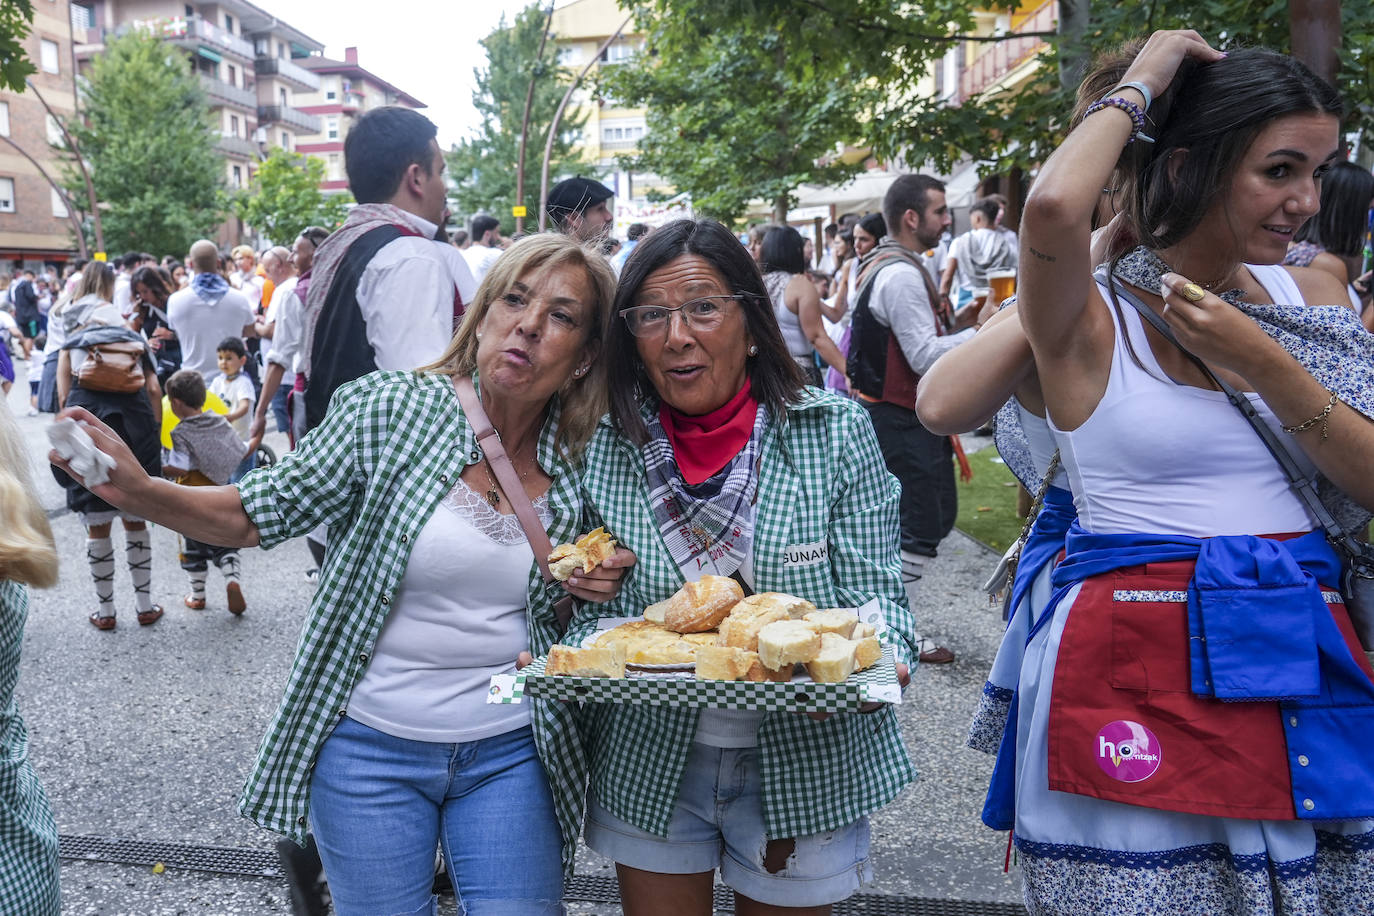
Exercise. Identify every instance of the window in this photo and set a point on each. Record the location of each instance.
(47, 55)
(228, 23)
(238, 176)
(332, 128)
(4, 119)
(233, 125)
(59, 207)
(233, 75)
(6, 195)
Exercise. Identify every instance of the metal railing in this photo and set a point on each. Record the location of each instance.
(288, 71)
(292, 117)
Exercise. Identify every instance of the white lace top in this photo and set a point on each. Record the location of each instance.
(457, 619)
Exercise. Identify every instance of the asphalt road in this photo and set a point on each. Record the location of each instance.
(147, 733)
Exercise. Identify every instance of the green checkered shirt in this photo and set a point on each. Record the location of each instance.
(389, 450)
(28, 834)
(822, 482)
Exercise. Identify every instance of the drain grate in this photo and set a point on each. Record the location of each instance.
(263, 863)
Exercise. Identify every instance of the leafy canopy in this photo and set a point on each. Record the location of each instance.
(483, 167)
(16, 19)
(284, 197)
(148, 143)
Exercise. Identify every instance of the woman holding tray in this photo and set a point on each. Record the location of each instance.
(716, 459)
(1193, 706)
(384, 746)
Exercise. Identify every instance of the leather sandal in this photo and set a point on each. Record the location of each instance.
(194, 603)
(102, 623)
(152, 615)
(234, 594)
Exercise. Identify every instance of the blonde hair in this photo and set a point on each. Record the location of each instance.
(27, 551)
(583, 401)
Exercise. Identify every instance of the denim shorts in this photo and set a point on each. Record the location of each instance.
(718, 823)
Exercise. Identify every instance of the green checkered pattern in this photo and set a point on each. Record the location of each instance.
(821, 479)
(28, 835)
(649, 689)
(388, 452)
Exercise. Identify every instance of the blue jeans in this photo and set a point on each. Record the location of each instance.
(379, 805)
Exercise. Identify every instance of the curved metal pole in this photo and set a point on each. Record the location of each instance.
(525, 124)
(80, 164)
(558, 116)
(66, 201)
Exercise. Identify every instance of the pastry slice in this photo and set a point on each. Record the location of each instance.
(787, 642)
(834, 663)
(566, 661)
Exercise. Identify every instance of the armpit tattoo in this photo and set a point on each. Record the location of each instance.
(1041, 255)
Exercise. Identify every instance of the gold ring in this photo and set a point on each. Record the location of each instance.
(1192, 292)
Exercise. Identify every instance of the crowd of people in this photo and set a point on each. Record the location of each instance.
(1184, 380)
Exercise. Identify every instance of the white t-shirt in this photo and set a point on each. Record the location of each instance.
(231, 391)
(201, 325)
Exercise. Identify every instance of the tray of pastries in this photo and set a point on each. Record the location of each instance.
(710, 646)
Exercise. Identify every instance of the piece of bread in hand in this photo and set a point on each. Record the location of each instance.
(567, 661)
(723, 663)
(786, 642)
(835, 661)
(586, 553)
(841, 623)
(699, 606)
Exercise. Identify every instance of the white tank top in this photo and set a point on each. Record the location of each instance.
(1156, 457)
(775, 282)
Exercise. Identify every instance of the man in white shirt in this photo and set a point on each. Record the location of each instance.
(385, 293)
(485, 248)
(206, 312)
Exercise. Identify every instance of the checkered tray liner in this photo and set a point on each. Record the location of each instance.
(878, 683)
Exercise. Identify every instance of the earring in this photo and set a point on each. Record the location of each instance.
(753, 349)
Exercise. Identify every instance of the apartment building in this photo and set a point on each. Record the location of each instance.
(344, 91)
(248, 62)
(35, 224)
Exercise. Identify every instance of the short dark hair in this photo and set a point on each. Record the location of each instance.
(988, 207)
(908, 192)
(188, 387)
(774, 378)
(233, 345)
(380, 146)
(783, 250)
(483, 223)
(636, 231)
(1339, 226)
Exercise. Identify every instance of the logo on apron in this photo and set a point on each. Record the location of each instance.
(1128, 751)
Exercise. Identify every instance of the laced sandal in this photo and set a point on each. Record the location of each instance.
(102, 623)
(194, 603)
(152, 615)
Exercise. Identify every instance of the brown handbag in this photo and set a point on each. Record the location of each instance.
(115, 367)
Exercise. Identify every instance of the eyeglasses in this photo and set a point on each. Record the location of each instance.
(703, 314)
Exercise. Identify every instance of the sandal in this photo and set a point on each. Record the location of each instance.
(152, 615)
(194, 603)
(102, 623)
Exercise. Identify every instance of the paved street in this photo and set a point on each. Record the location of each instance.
(147, 733)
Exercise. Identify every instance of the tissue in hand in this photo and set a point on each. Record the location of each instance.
(74, 445)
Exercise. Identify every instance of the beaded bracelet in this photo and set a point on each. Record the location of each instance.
(1324, 418)
(1132, 110)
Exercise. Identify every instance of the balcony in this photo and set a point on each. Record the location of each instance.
(291, 117)
(998, 60)
(238, 148)
(193, 32)
(222, 93)
(299, 77)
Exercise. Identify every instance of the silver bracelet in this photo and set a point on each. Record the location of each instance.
(1142, 89)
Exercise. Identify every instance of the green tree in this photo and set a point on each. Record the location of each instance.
(16, 18)
(147, 140)
(284, 197)
(483, 167)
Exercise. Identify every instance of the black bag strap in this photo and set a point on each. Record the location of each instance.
(1351, 548)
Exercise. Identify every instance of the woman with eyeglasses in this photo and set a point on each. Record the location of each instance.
(717, 459)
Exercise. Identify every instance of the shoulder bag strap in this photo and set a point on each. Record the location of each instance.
(490, 441)
(1280, 448)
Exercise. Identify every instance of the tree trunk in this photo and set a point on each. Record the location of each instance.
(1314, 27)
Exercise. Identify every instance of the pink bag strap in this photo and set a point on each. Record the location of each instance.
(489, 440)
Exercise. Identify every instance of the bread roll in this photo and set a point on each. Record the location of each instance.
(702, 605)
(786, 642)
(841, 623)
(867, 653)
(723, 663)
(566, 661)
(835, 662)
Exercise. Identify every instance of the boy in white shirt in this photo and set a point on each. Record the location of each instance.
(235, 389)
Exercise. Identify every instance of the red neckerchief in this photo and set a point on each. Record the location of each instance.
(705, 444)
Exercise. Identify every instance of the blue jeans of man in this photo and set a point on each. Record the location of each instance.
(379, 805)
